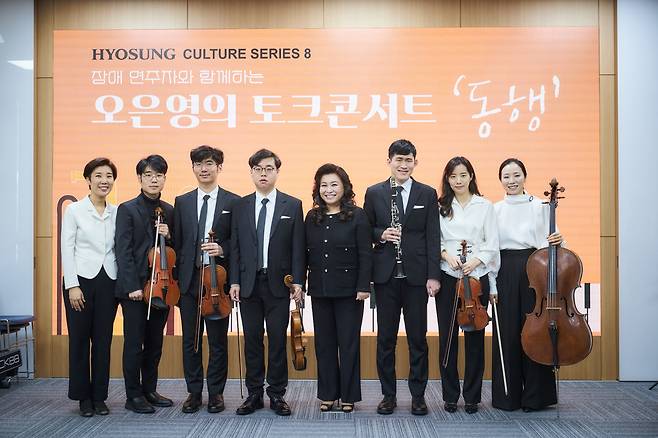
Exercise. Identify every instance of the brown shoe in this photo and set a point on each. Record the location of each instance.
(215, 403)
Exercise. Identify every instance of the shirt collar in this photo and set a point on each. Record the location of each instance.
(213, 194)
(271, 197)
(518, 199)
(407, 185)
(475, 199)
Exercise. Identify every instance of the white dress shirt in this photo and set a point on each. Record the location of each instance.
(210, 215)
(268, 219)
(523, 222)
(88, 242)
(406, 190)
(475, 223)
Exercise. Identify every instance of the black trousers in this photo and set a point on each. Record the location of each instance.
(142, 346)
(337, 323)
(263, 306)
(529, 384)
(473, 344)
(217, 343)
(392, 297)
(93, 325)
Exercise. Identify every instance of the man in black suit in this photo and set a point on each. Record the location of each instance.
(267, 243)
(420, 243)
(196, 213)
(134, 237)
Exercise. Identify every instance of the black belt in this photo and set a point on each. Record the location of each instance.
(262, 271)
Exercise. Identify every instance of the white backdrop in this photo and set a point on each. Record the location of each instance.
(17, 156)
(637, 45)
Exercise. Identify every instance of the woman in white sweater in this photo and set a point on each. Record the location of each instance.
(90, 271)
(523, 227)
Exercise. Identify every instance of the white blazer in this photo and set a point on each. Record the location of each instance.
(88, 242)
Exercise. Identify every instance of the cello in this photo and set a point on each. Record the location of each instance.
(297, 342)
(555, 333)
(161, 290)
(214, 303)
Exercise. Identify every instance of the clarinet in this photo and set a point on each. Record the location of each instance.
(395, 223)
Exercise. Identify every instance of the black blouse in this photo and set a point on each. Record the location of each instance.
(339, 255)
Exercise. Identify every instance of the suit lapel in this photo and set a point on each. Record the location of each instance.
(413, 197)
(146, 217)
(278, 209)
(251, 214)
(219, 207)
(192, 213)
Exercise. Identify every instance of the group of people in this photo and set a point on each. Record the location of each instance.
(405, 242)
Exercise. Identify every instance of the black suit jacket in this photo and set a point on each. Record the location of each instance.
(339, 255)
(133, 238)
(186, 223)
(421, 240)
(286, 250)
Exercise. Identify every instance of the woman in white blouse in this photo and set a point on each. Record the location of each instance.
(464, 215)
(90, 271)
(522, 228)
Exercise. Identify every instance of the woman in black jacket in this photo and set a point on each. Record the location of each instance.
(339, 268)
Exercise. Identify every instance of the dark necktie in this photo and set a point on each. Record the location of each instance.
(201, 234)
(260, 231)
(399, 202)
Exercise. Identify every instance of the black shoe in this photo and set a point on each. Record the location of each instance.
(387, 405)
(249, 406)
(192, 404)
(471, 408)
(100, 408)
(527, 409)
(450, 407)
(418, 406)
(139, 405)
(157, 400)
(215, 403)
(86, 408)
(279, 406)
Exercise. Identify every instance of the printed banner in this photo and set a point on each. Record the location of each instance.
(342, 96)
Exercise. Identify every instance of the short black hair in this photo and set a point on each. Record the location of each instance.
(263, 154)
(510, 161)
(155, 162)
(99, 162)
(204, 152)
(401, 147)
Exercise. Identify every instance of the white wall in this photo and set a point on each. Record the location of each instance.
(17, 161)
(17, 157)
(637, 46)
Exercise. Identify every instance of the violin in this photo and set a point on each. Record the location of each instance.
(471, 314)
(555, 333)
(161, 290)
(215, 303)
(297, 343)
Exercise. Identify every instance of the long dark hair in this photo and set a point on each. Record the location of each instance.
(447, 194)
(346, 202)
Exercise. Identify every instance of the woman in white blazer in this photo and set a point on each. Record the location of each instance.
(90, 271)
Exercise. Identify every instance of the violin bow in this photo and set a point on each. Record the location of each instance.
(500, 344)
(237, 325)
(197, 335)
(155, 256)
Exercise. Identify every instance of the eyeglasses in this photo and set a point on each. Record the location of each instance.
(158, 176)
(206, 164)
(268, 170)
